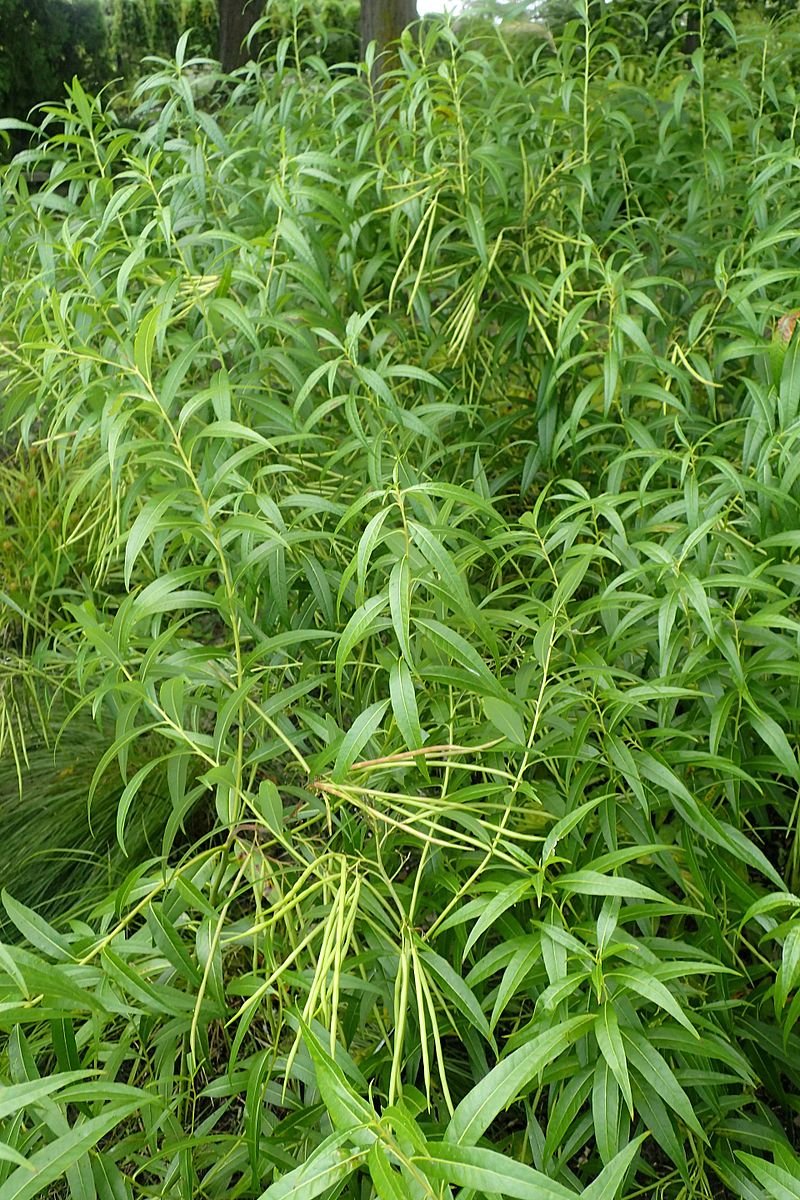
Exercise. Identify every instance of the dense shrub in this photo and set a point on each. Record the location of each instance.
(407, 482)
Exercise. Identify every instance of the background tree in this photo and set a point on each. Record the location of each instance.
(333, 26)
(236, 19)
(383, 21)
(43, 43)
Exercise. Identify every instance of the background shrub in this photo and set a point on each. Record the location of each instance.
(44, 43)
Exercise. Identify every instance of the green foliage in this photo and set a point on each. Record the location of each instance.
(135, 28)
(650, 26)
(329, 28)
(60, 849)
(45, 43)
(42, 44)
(406, 481)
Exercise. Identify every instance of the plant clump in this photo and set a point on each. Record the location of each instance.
(402, 481)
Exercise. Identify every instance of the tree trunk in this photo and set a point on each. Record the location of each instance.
(236, 19)
(383, 21)
(691, 39)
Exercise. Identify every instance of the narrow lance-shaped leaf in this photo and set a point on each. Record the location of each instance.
(331, 1163)
(509, 1078)
(360, 625)
(49, 1163)
(488, 1172)
(357, 737)
(404, 704)
(612, 1048)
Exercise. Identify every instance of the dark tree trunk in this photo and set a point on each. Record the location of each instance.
(383, 21)
(691, 39)
(236, 19)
